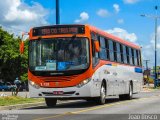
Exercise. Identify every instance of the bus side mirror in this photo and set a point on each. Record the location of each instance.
(21, 47)
(97, 47)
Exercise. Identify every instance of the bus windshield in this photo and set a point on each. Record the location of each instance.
(58, 54)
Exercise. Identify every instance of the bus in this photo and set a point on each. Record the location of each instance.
(81, 62)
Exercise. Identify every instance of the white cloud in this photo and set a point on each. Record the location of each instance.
(123, 34)
(103, 13)
(116, 8)
(148, 50)
(130, 1)
(120, 21)
(83, 17)
(15, 15)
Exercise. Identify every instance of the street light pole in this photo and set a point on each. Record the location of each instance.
(155, 85)
(156, 19)
(57, 12)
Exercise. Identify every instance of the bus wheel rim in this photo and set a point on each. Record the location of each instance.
(103, 94)
(130, 91)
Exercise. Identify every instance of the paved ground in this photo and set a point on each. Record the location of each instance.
(146, 102)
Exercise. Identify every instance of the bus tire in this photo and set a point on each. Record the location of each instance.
(122, 97)
(51, 102)
(127, 96)
(102, 99)
(130, 94)
(89, 99)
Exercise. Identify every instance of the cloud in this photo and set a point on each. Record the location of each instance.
(149, 49)
(123, 34)
(83, 17)
(102, 13)
(15, 15)
(116, 8)
(120, 21)
(130, 1)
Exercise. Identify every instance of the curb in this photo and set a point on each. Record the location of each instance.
(28, 105)
(20, 106)
(149, 90)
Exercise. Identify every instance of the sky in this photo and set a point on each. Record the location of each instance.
(119, 17)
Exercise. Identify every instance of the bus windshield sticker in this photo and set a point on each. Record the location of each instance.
(61, 65)
(38, 68)
(69, 63)
(51, 65)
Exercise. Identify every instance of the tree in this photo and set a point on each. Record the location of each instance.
(12, 63)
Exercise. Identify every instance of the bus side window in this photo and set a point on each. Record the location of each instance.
(118, 52)
(124, 54)
(138, 61)
(111, 50)
(121, 51)
(103, 54)
(95, 55)
(115, 51)
(107, 48)
(139, 58)
(130, 56)
(135, 57)
(127, 53)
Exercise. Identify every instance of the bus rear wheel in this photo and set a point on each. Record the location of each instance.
(51, 102)
(102, 99)
(127, 96)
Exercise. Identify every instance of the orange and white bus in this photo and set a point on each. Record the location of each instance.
(81, 62)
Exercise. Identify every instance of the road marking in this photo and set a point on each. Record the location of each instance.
(54, 116)
(107, 105)
(96, 108)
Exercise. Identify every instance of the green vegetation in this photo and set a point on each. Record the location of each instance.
(13, 100)
(12, 64)
(151, 80)
(155, 88)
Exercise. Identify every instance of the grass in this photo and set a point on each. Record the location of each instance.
(149, 87)
(13, 100)
(156, 87)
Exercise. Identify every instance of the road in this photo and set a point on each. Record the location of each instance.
(145, 105)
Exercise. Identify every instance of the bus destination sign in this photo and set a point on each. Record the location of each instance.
(56, 30)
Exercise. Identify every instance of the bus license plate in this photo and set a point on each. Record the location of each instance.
(58, 92)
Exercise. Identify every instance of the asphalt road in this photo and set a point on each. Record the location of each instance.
(145, 105)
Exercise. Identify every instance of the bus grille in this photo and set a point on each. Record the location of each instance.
(58, 78)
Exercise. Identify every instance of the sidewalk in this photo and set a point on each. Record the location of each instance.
(148, 88)
(20, 106)
(24, 94)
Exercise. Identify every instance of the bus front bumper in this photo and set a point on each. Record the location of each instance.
(85, 91)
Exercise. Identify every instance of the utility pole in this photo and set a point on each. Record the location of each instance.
(57, 13)
(147, 71)
(155, 17)
(146, 61)
(155, 82)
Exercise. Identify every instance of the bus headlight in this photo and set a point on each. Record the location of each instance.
(33, 84)
(84, 82)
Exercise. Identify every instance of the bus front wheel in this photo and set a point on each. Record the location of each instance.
(51, 102)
